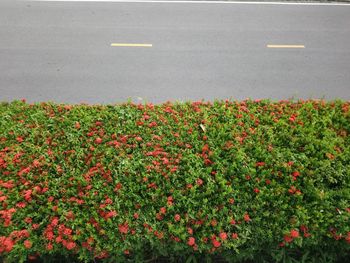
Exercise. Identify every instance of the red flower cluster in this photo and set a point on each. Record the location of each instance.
(294, 233)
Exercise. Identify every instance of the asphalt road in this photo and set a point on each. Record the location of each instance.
(61, 51)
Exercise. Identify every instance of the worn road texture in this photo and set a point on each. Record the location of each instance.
(61, 51)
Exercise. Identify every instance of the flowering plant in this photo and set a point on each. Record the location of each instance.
(240, 179)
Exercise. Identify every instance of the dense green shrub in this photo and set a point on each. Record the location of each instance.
(249, 180)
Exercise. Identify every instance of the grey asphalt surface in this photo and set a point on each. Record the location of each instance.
(60, 51)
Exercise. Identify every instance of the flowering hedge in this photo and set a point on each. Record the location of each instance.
(243, 180)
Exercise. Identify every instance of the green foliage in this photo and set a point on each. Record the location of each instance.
(245, 181)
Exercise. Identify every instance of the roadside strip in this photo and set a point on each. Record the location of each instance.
(200, 2)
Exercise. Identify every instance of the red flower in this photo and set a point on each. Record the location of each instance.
(28, 220)
(288, 238)
(58, 239)
(234, 235)
(49, 246)
(190, 231)
(177, 217)
(191, 241)
(36, 163)
(296, 174)
(70, 245)
(294, 233)
(246, 217)
(199, 182)
(223, 235)
(303, 228)
(152, 124)
(292, 190)
(27, 244)
(163, 210)
(110, 214)
(292, 118)
(118, 187)
(256, 190)
(136, 215)
(189, 186)
(54, 221)
(98, 140)
(233, 222)
(216, 243)
(6, 244)
(231, 201)
(258, 164)
(123, 228)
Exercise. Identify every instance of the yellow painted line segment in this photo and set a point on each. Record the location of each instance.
(285, 46)
(130, 45)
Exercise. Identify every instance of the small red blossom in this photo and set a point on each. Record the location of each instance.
(199, 182)
(234, 235)
(159, 216)
(98, 140)
(110, 214)
(58, 239)
(123, 228)
(294, 233)
(191, 241)
(6, 244)
(246, 217)
(70, 245)
(223, 235)
(136, 215)
(256, 190)
(177, 217)
(152, 124)
(54, 221)
(296, 174)
(118, 187)
(288, 238)
(27, 244)
(28, 220)
(190, 231)
(259, 164)
(49, 246)
(216, 243)
(163, 210)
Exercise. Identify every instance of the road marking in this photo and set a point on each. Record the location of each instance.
(130, 45)
(200, 2)
(285, 46)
